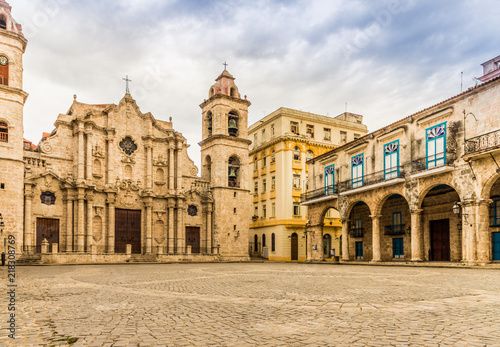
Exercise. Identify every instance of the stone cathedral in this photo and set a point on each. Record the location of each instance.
(111, 183)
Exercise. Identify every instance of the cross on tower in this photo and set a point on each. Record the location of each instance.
(225, 66)
(127, 80)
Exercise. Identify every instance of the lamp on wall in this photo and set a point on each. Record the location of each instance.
(456, 208)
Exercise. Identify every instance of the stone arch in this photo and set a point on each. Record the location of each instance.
(486, 190)
(160, 175)
(429, 187)
(233, 123)
(3, 22)
(209, 122)
(377, 208)
(233, 91)
(353, 203)
(208, 169)
(233, 171)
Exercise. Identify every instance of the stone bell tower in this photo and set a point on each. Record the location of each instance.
(12, 99)
(224, 156)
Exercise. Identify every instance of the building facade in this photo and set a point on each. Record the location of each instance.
(111, 183)
(426, 188)
(282, 143)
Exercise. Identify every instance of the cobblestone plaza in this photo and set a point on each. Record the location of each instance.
(273, 304)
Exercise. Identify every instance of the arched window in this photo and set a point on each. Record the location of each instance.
(273, 155)
(4, 132)
(232, 124)
(233, 93)
(4, 70)
(3, 24)
(209, 123)
(208, 168)
(296, 153)
(273, 242)
(263, 240)
(309, 155)
(233, 172)
(255, 163)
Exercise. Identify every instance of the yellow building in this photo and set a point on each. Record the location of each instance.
(282, 142)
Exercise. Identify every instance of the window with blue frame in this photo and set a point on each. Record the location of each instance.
(357, 170)
(391, 160)
(359, 249)
(330, 179)
(436, 146)
(396, 223)
(398, 250)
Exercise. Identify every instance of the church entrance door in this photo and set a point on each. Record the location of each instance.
(127, 230)
(46, 228)
(193, 239)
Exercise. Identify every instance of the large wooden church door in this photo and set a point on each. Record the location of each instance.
(127, 230)
(46, 228)
(440, 240)
(193, 239)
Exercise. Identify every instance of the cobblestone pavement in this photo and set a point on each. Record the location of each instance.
(272, 304)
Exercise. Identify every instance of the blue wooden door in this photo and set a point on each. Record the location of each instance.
(359, 249)
(397, 248)
(496, 245)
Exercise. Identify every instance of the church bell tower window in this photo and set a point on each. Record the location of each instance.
(233, 171)
(128, 146)
(4, 132)
(3, 24)
(4, 70)
(232, 124)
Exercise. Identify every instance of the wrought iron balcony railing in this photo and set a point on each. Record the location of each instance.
(398, 229)
(483, 142)
(433, 161)
(373, 178)
(318, 193)
(356, 232)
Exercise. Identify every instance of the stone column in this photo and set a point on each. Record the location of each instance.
(149, 240)
(89, 155)
(149, 167)
(171, 231)
(178, 180)
(89, 242)
(416, 235)
(111, 225)
(28, 228)
(345, 239)
(180, 227)
(482, 230)
(171, 172)
(209, 228)
(109, 163)
(69, 224)
(81, 155)
(376, 238)
(469, 230)
(80, 233)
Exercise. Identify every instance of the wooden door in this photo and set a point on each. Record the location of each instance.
(46, 228)
(295, 247)
(440, 240)
(127, 230)
(193, 239)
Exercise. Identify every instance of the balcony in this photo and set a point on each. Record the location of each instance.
(255, 173)
(297, 165)
(356, 232)
(398, 229)
(256, 197)
(272, 194)
(483, 143)
(377, 179)
(432, 165)
(263, 171)
(263, 196)
(272, 167)
(324, 193)
(296, 192)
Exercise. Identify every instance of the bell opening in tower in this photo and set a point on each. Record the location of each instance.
(233, 172)
(232, 124)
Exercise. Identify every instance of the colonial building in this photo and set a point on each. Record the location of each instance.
(425, 188)
(111, 183)
(282, 143)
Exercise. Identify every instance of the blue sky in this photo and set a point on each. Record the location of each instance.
(386, 59)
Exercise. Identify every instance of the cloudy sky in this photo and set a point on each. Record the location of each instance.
(386, 59)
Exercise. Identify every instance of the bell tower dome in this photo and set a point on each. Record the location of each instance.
(12, 99)
(224, 156)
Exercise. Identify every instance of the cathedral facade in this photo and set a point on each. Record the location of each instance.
(111, 183)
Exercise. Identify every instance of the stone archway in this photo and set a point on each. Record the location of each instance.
(360, 227)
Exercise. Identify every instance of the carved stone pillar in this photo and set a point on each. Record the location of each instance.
(149, 216)
(109, 161)
(80, 233)
(111, 225)
(416, 235)
(171, 231)
(209, 228)
(89, 242)
(482, 230)
(345, 239)
(81, 156)
(69, 224)
(171, 167)
(376, 238)
(28, 228)
(178, 179)
(180, 227)
(89, 155)
(149, 167)
(469, 230)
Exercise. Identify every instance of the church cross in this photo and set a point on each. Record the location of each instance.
(225, 66)
(127, 80)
